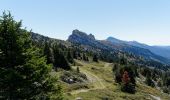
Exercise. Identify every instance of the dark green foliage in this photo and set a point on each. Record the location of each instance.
(48, 53)
(151, 75)
(123, 61)
(149, 81)
(128, 82)
(105, 98)
(118, 77)
(166, 89)
(95, 58)
(146, 71)
(24, 73)
(167, 81)
(159, 84)
(10, 43)
(69, 56)
(115, 67)
(131, 73)
(125, 76)
(59, 59)
(73, 77)
(85, 58)
(129, 88)
(79, 55)
(156, 76)
(78, 70)
(117, 74)
(74, 54)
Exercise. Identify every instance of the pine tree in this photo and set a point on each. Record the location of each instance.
(123, 61)
(69, 57)
(59, 59)
(85, 58)
(127, 85)
(125, 77)
(115, 67)
(24, 73)
(74, 54)
(78, 70)
(95, 58)
(118, 77)
(149, 81)
(47, 53)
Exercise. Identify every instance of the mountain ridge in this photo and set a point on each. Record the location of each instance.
(89, 42)
(159, 50)
(114, 44)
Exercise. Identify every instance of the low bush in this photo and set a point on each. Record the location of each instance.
(71, 77)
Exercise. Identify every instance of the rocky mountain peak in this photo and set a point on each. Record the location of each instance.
(80, 37)
(91, 36)
(81, 34)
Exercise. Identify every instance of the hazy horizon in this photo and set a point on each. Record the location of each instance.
(143, 21)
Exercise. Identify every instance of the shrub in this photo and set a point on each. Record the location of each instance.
(126, 85)
(73, 77)
(166, 89)
(149, 81)
(129, 88)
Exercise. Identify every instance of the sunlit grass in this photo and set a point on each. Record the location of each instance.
(111, 91)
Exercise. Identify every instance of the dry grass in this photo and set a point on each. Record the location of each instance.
(111, 90)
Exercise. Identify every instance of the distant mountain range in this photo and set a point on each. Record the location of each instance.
(156, 53)
(163, 51)
(111, 47)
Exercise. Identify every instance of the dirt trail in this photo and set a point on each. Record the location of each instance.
(93, 79)
(107, 64)
(155, 97)
(96, 81)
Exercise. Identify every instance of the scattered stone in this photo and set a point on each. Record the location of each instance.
(79, 98)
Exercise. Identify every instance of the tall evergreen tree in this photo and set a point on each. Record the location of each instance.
(85, 58)
(70, 57)
(127, 83)
(95, 58)
(47, 53)
(74, 54)
(123, 61)
(149, 81)
(59, 59)
(24, 73)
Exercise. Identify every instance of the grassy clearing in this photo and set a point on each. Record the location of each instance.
(100, 74)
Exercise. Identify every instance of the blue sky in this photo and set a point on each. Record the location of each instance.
(146, 21)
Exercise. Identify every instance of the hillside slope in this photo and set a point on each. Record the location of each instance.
(159, 50)
(114, 47)
(101, 85)
(149, 52)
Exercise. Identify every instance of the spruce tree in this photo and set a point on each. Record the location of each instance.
(84, 57)
(95, 58)
(149, 81)
(74, 54)
(127, 85)
(59, 59)
(69, 57)
(78, 70)
(47, 53)
(24, 73)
